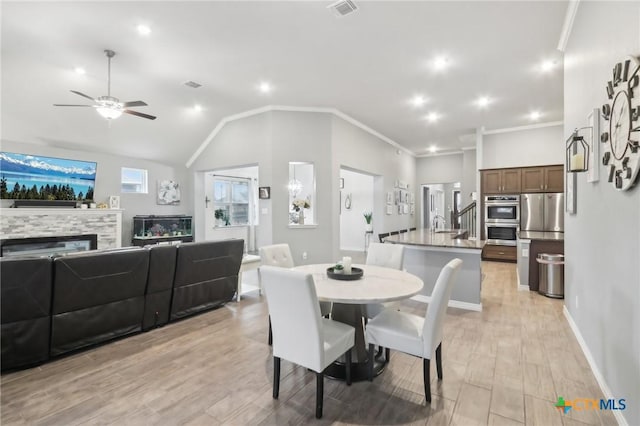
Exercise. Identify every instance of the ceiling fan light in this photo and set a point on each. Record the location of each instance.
(109, 113)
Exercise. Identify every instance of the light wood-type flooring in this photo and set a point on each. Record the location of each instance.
(505, 365)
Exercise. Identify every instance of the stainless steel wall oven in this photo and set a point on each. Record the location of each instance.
(502, 219)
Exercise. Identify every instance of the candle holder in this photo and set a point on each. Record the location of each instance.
(577, 152)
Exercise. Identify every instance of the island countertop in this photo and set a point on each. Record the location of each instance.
(440, 238)
(544, 236)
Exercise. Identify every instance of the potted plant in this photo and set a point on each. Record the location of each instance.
(219, 215)
(368, 217)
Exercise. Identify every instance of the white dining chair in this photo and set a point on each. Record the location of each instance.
(413, 334)
(301, 334)
(280, 255)
(388, 256)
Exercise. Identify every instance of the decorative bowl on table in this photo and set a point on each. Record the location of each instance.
(356, 274)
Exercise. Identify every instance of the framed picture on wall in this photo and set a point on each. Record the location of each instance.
(264, 192)
(389, 209)
(389, 197)
(114, 201)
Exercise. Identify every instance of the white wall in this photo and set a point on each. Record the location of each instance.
(602, 241)
(108, 181)
(531, 147)
(352, 221)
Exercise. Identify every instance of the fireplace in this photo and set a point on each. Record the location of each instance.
(47, 246)
(54, 222)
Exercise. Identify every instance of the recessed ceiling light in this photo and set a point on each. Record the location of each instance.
(433, 148)
(440, 63)
(197, 108)
(432, 117)
(548, 65)
(534, 115)
(265, 87)
(418, 101)
(80, 70)
(143, 30)
(483, 101)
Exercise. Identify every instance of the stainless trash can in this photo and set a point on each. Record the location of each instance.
(551, 275)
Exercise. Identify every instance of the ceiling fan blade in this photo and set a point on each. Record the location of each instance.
(72, 105)
(83, 95)
(139, 114)
(133, 104)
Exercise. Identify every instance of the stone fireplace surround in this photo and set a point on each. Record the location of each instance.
(45, 222)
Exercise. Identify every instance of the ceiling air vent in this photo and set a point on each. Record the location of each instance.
(343, 7)
(192, 84)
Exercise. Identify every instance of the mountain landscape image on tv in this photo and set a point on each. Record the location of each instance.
(34, 177)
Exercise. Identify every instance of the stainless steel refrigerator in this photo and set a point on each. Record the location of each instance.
(542, 212)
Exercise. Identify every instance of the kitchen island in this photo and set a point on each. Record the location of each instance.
(427, 252)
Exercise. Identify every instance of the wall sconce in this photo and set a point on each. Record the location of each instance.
(577, 152)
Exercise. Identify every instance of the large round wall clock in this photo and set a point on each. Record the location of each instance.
(621, 137)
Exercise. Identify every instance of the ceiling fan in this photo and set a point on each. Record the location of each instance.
(108, 106)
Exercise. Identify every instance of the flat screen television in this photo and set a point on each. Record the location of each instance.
(34, 177)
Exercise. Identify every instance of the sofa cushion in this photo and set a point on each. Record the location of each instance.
(206, 275)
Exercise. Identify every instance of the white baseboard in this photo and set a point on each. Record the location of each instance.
(592, 363)
(452, 303)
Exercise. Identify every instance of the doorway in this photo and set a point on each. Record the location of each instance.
(231, 205)
(356, 198)
(441, 202)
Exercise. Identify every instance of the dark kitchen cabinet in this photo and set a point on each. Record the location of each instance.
(501, 181)
(542, 179)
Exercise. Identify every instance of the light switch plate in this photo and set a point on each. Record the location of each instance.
(264, 210)
(525, 252)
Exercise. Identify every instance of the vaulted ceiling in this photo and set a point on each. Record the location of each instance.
(369, 65)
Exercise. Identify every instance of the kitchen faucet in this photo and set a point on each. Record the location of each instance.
(434, 221)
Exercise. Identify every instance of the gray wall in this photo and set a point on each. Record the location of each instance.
(602, 241)
(439, 169)
(530, 147)
(108, 181)
(469, 173)
(239, 143)
(356, 149)
(275, 138)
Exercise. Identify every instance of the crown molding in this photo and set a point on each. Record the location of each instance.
(569, 17)
(288, 108)
(520, 128)
(440, 154)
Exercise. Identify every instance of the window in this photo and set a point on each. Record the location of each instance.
(133, 181)
(231, 200)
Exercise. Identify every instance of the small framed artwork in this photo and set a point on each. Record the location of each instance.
(114, 201)
(413, 209)
(341, 183)
(389, 197)
(405, 208)
(264, 192)
(168, 192)
(389, 209)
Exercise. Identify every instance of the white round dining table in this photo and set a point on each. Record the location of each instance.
(377, 285)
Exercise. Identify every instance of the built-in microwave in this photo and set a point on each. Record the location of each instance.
(504, 234)
(502, 209)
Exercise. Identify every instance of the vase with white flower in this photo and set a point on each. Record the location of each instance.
(299, 205)
(368, 217)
